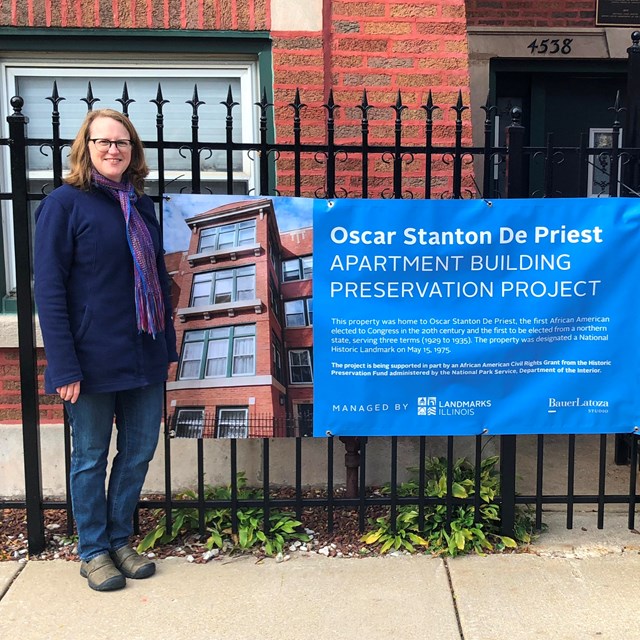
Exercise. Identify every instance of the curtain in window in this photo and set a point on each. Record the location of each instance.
(217, 359)
(191, 359)
(243, 356)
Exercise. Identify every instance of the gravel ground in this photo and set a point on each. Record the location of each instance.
(344, 540)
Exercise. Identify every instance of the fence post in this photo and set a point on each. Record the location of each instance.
(26, 327)
(515, 156)
(515, 189)
(631, 133)
(351, 463)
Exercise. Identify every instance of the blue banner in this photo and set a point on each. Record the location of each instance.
(470, 317)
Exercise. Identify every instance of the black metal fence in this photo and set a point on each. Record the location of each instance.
(619, 164)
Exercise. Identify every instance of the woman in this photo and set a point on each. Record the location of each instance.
(102, 294)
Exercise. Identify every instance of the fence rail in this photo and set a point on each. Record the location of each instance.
(488, 171)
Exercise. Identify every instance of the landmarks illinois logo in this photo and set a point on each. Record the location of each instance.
(431, 406)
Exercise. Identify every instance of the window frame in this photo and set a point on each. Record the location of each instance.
(304, 272)
(309, 352)
(208, 341)
(307, 313)
(216, 276)
(237, 227)
(238, 409)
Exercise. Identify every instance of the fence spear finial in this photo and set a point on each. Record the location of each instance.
(229, 103)
(90, 100)
(159, 101)
(125, 100)
(55, 98)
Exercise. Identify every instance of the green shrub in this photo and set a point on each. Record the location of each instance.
(283, 527)
(464, 535)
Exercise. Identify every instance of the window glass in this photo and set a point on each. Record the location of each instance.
(245, 330)
(294, 313)
(243, 356)
(307, 267)
(191, 358)
(246, 288)
(224, 288)
(291, 270)
(298, 313)
(228, 236)
(233, 423)
(208, 239)
(142, 86)
(247, 233)
(217, 359)
(219, 332)
(297, 269)
(201, 289)
(300, 366)
(277, 357)
(194, 335)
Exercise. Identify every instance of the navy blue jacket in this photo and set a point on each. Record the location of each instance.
(84, 288)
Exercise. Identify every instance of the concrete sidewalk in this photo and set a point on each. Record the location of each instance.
(574, 584)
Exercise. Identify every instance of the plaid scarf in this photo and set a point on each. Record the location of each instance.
(148, 295)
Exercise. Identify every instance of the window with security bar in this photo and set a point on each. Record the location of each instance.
(233, 422)
(189, 423)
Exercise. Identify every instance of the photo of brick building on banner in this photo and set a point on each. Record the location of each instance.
(243, 317)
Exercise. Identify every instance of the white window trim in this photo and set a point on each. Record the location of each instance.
(299, 350)
(157, 67)
(243, 424)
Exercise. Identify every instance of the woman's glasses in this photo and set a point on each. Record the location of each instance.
(104, 144)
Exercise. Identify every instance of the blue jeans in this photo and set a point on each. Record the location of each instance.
(105, 520)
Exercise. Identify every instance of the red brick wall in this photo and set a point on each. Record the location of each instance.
(10, 398)
(531, 13)
(246, 15)
(384, 46)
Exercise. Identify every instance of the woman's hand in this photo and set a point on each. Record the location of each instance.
(69, 392)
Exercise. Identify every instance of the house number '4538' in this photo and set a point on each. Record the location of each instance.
(551, 46)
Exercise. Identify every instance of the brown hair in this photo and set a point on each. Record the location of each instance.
(80, 160)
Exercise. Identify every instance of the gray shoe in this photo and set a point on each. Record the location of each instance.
(131, 564)
(101, 574)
